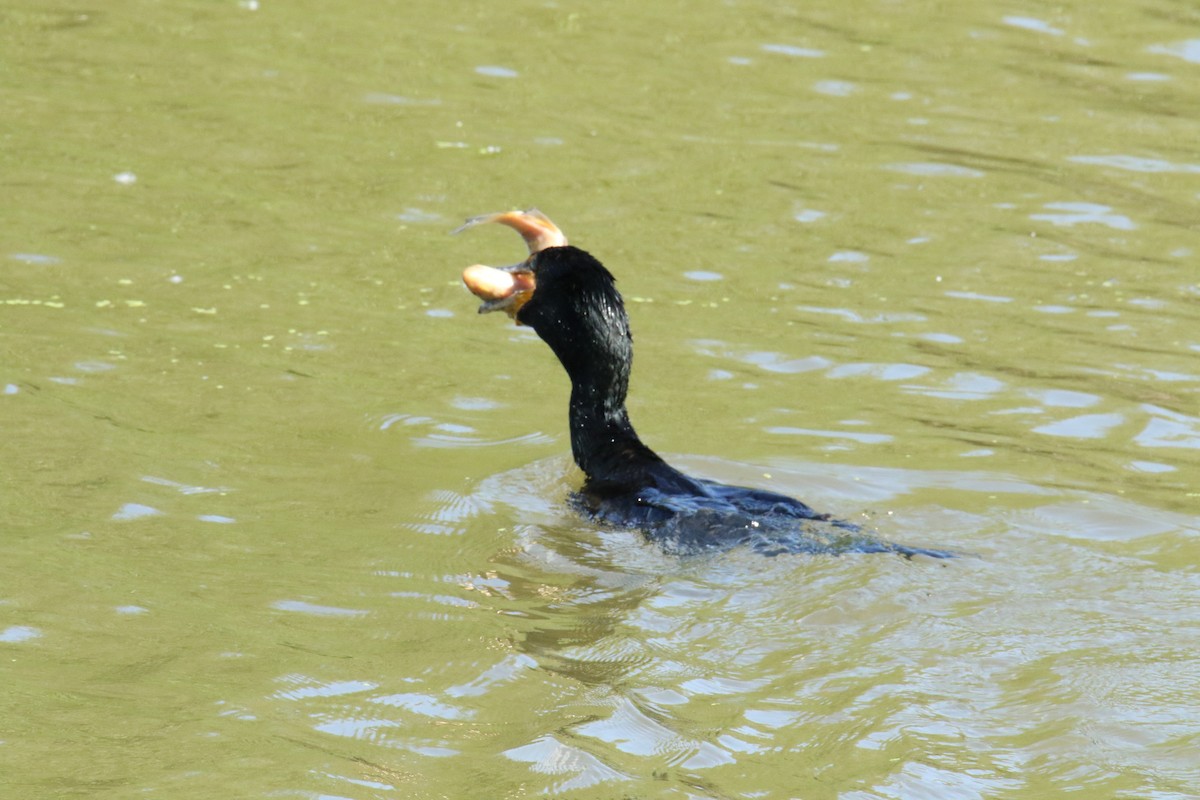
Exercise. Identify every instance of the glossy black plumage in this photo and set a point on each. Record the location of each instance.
(577, 310)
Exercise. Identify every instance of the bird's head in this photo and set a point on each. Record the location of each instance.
(566, 295)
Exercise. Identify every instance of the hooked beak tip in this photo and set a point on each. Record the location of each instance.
(538, 231)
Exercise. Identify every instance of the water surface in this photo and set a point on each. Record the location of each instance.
(284, 518)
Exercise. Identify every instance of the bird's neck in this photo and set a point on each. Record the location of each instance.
(603, 441)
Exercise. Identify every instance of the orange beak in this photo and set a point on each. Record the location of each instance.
(535, 227)
(509, 288)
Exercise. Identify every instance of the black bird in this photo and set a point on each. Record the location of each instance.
(570, 299)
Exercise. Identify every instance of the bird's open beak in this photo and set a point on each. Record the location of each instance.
(500, 289)
(509, 288)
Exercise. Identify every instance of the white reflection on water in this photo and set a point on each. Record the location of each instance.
(931, 169)
(883, 372)
(792, 50)
(861, 438)
(306, 687)
(184, 488)
(1188, 50)
(987, 298)
(383, 98)
(1168, 428)
(960, 386)
(495, 71)
(549, 756)
(1069, 214)
(1063, 397)
(423, 704)
(851, 315)
(1136, 163)
(835, 88)
(1086, 426)
(19, 633)
(305, 607)
(807, 215)
(436, 433)
(131, 511)
(35, 258)
(1033, 24)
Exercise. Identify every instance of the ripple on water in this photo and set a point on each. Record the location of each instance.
(132, 610)
(1188, 50)
(1167, 428)
(383, 98)
(765, 360)
(702, 664)
(1152, 467)
(496, 71)
(1097, 518)
(1086, 426)
(1063, 398)
(1136, 164)
(875, 318)
(853, 436)
(987, 298)
(431, 432)
(423, 704)
(313, 609)
(15, 634)
(941, 338)
(94, 366)
(1033, 24)
(792, 50)
(303, 686)
(1071, 214)
(183, 488)
(549, 756)
(132, 511)
(835, 88)
(883, 372)
(419, 216)
(476, 403)
(35, 258)
(961, 386)
(934, 169)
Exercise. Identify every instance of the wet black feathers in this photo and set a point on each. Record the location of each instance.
(576, 309)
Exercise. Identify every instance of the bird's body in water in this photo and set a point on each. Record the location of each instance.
(571, 301)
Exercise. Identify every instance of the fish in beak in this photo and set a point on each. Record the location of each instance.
(508, 288)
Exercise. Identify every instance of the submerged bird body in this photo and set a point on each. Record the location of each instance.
(571, 301)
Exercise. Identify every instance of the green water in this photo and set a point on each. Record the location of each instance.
(282, 517)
